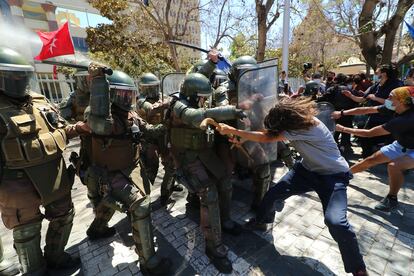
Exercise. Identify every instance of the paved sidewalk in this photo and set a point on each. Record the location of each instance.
(298, 244)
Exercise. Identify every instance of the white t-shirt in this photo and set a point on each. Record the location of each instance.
(318, 149)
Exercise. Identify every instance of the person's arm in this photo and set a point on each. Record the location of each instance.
(353, 97)
(373, 132)
(255, 136)
(375, 98)
(355, 111)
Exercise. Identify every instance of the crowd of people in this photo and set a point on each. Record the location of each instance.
(363, 103)
(125, 131)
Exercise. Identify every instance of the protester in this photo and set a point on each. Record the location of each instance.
(322, 169)
(375, 96)
(400, 154)
(329, 79)
(409, 79)
(335, 96)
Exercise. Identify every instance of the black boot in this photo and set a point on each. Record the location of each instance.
(66, 261)
(103, 233)
(193, 200)
(220, 261)
(162, 268)
(232, 228)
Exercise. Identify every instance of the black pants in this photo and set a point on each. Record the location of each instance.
(331, 190)
(345, 141)
(368, 144)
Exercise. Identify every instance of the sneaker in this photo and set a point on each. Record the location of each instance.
(387, 204)
(361, 272)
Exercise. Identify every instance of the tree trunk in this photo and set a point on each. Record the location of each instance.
(368, 38)
(261, 32)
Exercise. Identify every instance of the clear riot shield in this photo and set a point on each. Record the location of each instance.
(171, 82)
(268, 62)
(325, 111)
(257, 94)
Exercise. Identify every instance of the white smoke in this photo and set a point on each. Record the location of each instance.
(20, 38)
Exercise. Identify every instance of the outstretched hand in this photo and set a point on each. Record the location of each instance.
(336, 115)
(339, 127)
(347, 93)
(224, 129)
(82, 128)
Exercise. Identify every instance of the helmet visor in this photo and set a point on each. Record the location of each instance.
(124, 97)
(149, 90)
(15, 83)
(218, 80)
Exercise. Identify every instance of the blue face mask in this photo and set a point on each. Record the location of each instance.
(388, 104)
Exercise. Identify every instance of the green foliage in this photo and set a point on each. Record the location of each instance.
(128, 43)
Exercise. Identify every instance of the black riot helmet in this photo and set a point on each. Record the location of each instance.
(15, 73)
(311, 89)
(239, 65)
(197, 66)
(149, 86)
(196, 85)
(123, 90)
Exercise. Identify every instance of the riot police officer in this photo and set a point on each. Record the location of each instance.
(200, 168)
(259, 165)
(74, 106)
(115, 146)
(33, 172)
(151, 108)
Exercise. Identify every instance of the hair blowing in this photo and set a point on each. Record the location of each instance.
(291, 114)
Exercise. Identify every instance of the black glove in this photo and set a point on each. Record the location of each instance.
(240, 114)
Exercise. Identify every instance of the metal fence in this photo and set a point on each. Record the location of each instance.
(54, 89)
(295, 83)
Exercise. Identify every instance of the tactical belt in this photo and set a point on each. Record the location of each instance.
(12, 174)
(190, 139)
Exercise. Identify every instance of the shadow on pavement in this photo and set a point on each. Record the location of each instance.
(394, 218)
(180, 265)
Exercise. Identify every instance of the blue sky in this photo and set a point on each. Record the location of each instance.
(93, 19)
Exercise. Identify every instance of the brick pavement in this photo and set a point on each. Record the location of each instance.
(298, 244)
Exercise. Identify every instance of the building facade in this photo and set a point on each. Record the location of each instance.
(26, 17)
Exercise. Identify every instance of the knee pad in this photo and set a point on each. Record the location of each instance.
(140, 208)
(62, 220)
(26, 232)
(59, 208)
(262, 171)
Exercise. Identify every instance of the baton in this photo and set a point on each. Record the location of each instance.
(106, 70)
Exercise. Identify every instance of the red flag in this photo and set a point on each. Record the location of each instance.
(57, 43)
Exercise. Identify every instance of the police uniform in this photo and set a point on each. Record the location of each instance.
(33, 137)
(199, 167)
(115, 149)
(151, 108)
(257, 160)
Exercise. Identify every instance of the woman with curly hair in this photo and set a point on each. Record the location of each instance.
(322, 170)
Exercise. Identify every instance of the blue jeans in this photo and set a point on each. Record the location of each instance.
(331, 190)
